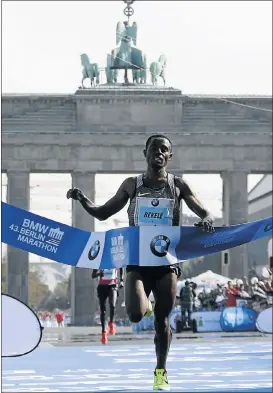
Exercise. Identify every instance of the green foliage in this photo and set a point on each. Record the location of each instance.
(59, 298)
(37, 290)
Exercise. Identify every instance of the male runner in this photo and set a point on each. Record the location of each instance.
(107, 288)
(167, 190)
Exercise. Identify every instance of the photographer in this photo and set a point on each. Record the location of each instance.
(231, 293)
(187, 295)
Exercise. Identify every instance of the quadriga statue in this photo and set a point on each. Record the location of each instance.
(126, 56)
(90, 70)
(157, 69)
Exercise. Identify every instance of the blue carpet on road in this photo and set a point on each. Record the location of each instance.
(229, 366)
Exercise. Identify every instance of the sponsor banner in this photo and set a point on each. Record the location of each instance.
(143, 246)
(264, 321)
(41, 236)
(238, 319)
(207, 321)
(157, 245)
(18, 338)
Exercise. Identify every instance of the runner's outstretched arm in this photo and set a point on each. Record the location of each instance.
(195, 204)
(191, 199)
(113, 206)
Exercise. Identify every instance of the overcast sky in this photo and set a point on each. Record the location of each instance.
(212, 47)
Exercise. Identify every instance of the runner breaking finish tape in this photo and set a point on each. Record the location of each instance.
(154, 199)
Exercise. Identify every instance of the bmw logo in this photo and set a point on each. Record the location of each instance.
(94, 250)
(268, 228)
(155, 202)
(160, 245)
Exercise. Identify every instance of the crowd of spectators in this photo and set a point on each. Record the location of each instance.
(255, 293)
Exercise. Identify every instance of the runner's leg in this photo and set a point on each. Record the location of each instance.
(113, 295)
(165, 296)
(137, 292)
(102, 295)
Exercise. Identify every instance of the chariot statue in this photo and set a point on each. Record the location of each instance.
(127, 56)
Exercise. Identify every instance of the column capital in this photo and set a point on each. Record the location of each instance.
(230, 173)
(82, 173)
(17, 170)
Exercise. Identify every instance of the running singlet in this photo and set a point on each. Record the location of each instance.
(110, 277)
(154, 206)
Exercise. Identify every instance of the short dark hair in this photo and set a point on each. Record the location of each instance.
(156, 136)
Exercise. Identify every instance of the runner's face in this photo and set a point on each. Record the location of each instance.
(158, 153)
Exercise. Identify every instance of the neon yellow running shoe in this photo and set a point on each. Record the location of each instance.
(161, 380)
(149, 312)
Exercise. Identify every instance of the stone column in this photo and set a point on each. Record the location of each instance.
(18, 195)
(83, 287)
(235, 211)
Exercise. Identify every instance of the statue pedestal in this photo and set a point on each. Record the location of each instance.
(128, 107)
(145, 88)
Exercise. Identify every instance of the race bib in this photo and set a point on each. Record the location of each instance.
(109, 274)
(154, 211)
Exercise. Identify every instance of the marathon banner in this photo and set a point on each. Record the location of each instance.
(143, 246)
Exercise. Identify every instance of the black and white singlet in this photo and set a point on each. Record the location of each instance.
(152, 206)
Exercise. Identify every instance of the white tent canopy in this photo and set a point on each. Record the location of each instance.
(204, 280)
(210, 278)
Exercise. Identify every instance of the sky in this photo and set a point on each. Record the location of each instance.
(212, 47)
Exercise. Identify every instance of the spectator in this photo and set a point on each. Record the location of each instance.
(254, 287)
(246, 284)
(230, 294)
(186, 301)
(241, 288)
(60, 318)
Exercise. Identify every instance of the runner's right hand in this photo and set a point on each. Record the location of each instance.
(74, 193)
